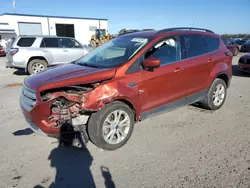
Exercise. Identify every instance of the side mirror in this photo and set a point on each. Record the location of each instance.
(151, 63)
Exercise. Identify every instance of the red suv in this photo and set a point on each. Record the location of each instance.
(126, 80)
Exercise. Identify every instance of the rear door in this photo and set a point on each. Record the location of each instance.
(197, 63)
(50, 47)
(72, 48)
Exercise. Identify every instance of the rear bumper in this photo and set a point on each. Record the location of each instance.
(244, 67)
(12, 64)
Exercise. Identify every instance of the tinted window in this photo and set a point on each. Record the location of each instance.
(69, 43)
(167, 50)
(49, 43)
(212, 43)
(192, 45)
(26, 42)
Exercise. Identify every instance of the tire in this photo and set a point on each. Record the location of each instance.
(235, 51)
(211, 104)
(42, 65)
(96, 126)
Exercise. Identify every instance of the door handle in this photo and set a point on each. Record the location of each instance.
(65, 50)
(178, 69)
(45, 50)
(210, 61)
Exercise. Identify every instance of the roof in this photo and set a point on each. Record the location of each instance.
(48, 16)
(140, 33)
(164, 31)
(43, 36)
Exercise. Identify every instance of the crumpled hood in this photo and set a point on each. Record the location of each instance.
(66, 75)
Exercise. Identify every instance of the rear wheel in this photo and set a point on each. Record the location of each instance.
(216, 95)
(111, 127)
(37, 65)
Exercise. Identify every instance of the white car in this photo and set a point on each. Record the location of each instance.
(36, 53)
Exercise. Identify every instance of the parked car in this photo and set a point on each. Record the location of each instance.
(232, 46)
(36, 53)
(2, 52)
(241, 41)
(245, 47)
(244, 63)
(126, 80)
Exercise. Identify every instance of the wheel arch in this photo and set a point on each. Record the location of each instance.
(225, 77)
(130, 104)
(36, 57)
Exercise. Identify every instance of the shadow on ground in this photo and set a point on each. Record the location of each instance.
(23, 132)
(72, 166)
(236, 72)
(20, 72)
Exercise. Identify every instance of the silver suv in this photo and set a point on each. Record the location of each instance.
(36, 53)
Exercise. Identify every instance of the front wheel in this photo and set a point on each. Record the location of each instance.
(216, 95)
(111, 127)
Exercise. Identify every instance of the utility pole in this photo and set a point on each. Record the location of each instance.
(14, 5)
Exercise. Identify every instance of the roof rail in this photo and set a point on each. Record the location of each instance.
(183, 28)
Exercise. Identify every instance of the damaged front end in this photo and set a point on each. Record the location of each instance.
(72, 106)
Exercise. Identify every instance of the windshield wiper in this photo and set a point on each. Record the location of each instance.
(88, 65)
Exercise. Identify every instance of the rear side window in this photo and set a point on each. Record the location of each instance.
(69, 43)
(49, 43)
(212, 43)
(26, 42)
(192, 45)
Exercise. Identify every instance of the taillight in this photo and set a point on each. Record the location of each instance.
(13, 51)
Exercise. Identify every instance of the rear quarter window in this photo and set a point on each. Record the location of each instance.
(212, 43)
(26, 42)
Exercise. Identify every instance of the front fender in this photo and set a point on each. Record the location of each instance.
(109, 92)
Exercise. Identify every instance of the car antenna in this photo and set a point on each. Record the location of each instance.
(193, 24)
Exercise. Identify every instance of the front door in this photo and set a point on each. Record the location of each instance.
(164, 84)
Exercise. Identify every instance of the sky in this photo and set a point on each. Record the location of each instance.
(221, 16)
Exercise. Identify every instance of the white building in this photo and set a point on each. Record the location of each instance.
(24, 24)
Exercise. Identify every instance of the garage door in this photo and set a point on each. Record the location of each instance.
(30, 28)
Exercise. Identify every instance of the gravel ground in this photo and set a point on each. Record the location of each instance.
(188, 147)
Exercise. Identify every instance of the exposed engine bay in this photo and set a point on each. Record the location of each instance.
(73, 105)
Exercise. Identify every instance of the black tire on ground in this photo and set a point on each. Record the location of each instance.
(36, 61)
(235, 51)
(97, 119)
(208, 102)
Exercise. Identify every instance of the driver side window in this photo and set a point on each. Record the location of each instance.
(167, 51)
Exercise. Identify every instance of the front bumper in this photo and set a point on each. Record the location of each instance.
(37, 115)
(244, 67)
(33, 126)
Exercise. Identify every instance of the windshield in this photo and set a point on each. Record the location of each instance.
(114, 52)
